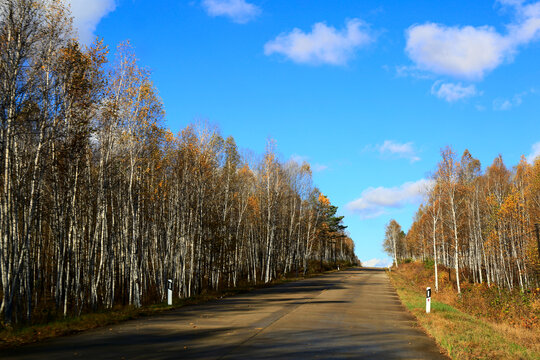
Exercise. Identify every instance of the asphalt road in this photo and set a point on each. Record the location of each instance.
(353, 314)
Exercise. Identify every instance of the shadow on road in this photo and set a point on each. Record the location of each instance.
(349, 314)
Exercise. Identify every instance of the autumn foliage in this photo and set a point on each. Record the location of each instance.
(101, 204)
(514, 308)
(481, 224)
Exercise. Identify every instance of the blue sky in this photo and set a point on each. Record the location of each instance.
(367, 91)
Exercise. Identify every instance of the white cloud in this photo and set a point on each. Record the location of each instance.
(323, 45)
(452, 92)
(87, 14)
(405, 150)
(507, 104)
(480, 107)
(412, 71)
(527, 28)
(502, 104)
(511, 2)
(239, 11)
(377, 263)
(535, 152)
(376, 201)
(319, 167)
(470, 52)
(466, 52)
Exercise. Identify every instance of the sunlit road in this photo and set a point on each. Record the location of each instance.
(350, 314)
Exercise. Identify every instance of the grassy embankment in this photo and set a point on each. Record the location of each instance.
(20, 335)
(481, 323)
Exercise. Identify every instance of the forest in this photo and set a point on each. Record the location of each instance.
(102, 204)
(484, 225)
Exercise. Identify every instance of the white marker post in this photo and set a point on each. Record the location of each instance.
(169, 292)
(428, 300)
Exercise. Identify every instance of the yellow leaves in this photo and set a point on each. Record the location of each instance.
(98, 51)
(253, 203)
(306, 168)
(492, 202)
(169, 137)
(511, 207)
(323, 200)
(245, 171)
(269, 159)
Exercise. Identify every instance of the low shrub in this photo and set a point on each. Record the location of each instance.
(481, 323)
(429, 264)
(516, 308)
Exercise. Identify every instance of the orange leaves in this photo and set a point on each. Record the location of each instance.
(98, 52)
(323, 200)
(512, 207)
(169, 136)
(306, 168)
(253, 203)
(245, 171)
(486, 217)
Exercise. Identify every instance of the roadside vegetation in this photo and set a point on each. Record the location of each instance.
(485, 225)
(475, 240)
(480, 323)
(102, 204)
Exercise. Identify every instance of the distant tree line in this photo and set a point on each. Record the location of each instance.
(483, 225)
(101, 204)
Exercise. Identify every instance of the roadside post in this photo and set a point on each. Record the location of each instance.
(169, 292)
(428, 300)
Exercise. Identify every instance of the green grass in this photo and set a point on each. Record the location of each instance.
(462, 335)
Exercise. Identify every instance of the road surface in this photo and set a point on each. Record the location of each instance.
(353, 314)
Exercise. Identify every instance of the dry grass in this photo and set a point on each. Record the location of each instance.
(464, 330)
(12, 337)
(530, 338)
